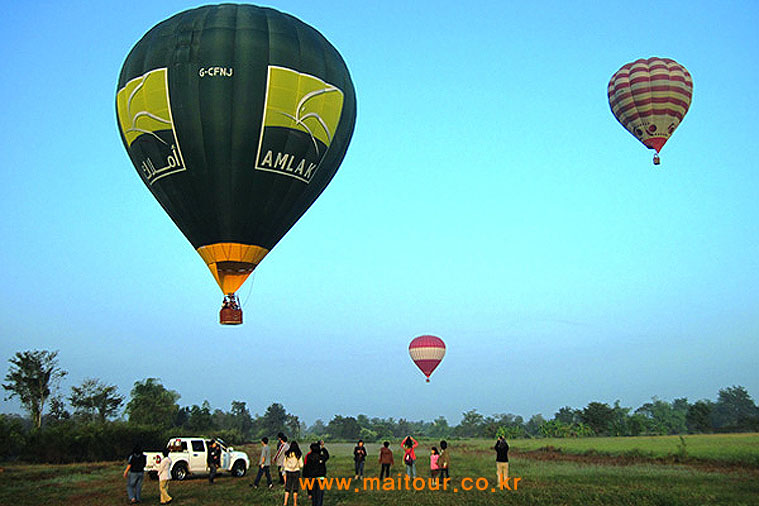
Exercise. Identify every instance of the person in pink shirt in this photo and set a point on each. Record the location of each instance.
(409, 456)
(434, 468)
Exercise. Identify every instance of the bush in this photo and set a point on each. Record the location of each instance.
(230, 436)
(12, 437)
(68, 441)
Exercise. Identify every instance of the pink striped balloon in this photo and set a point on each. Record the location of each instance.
(650, 98)
(427, 352)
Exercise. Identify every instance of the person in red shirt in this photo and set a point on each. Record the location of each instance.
(409, 456)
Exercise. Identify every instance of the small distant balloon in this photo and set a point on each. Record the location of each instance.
(650, 98)
(427, 352)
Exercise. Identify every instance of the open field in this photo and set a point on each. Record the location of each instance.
(724, 448)
(604, 480)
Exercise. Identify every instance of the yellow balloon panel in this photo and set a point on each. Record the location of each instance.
(231, 263)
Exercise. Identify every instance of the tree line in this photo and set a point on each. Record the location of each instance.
(95, 422)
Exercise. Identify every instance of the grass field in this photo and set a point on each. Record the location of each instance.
(605, 477)
(724, 448)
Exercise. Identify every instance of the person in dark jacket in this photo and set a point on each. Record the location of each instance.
(444, 461)
(359, 456)
(135, 473)
(385, 459)
(324, 458)
(315, 467)
(502, 460)
(213, 459)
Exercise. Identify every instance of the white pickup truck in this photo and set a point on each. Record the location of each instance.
(188, 456)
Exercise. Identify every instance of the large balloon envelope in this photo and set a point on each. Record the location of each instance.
(427, 352)
(236, 118)
(650, 98)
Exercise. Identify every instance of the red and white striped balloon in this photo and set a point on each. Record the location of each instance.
(427, 352)
(650, 98)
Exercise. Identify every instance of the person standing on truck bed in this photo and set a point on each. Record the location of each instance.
(213, 459)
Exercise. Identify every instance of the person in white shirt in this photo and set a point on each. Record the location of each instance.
(164, 475)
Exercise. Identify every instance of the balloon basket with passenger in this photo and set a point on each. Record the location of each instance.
(231, 312)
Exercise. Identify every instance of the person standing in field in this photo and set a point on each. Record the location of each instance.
(292, 465)
(385, 459)
(279, 457)
(502, 460)
(434, 468)
(409, 456)
(324, 456)
(315, 467)
(135, 473)
(444, 461)
(264, 463)
(164, 475)
(359, 457)
(213, 459)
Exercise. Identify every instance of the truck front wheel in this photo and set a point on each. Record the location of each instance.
(239, 469)
(179, 472)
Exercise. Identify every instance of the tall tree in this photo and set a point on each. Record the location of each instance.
(241, 418)
(293, 426)
(599, 416)
(567, 415)
(440, 428)
(32, 376)
(95, 400)
(57, 411)
(735, 409)
(318, 428)
(341, 427)
(152, 404)
(699, 416)
(471, 424)
(620, 420)
(274, 420)
(533, 424)
(201, 419)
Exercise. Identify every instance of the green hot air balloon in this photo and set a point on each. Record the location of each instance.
(236, 118)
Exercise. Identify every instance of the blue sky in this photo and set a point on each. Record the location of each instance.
(488, 197)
